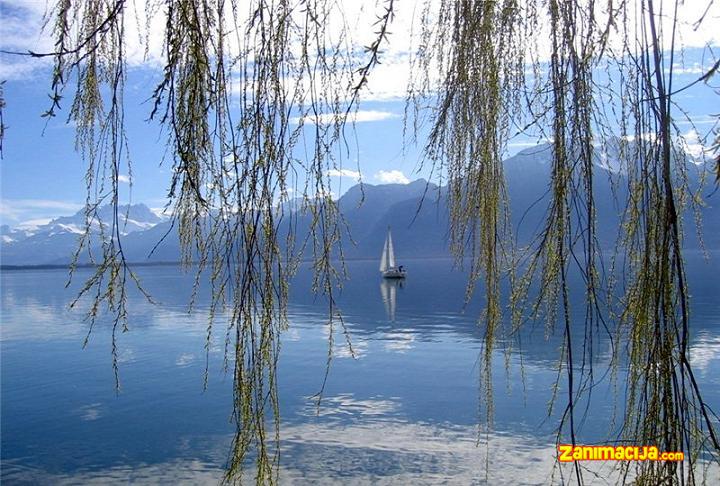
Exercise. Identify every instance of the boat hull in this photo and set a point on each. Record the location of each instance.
(394, 274)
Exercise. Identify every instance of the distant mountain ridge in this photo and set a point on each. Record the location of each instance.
(54, 243)
(417, 213)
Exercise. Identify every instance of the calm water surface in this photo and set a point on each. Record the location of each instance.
(406, 408)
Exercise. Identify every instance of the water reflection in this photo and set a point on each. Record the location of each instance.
(388, 290)
(370, 451)
(399, 341)
(346, 406)
(404, 411)
(705, 354)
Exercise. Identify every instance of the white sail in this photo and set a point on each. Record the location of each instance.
(390, 251)
(384, 257)
(388, 267)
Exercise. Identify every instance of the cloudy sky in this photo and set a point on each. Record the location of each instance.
(43, 176)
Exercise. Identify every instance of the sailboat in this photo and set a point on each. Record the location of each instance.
(387, 260)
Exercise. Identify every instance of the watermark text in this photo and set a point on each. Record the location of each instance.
(570, 453)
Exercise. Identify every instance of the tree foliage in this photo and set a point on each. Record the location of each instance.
(237, 75)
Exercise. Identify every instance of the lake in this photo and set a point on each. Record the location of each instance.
(407, 408)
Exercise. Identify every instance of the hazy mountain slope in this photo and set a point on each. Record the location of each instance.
(416, 212)
(57, 241)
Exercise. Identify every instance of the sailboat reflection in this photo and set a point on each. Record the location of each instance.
(388, 290)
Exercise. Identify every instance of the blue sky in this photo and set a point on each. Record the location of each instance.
(43, 176)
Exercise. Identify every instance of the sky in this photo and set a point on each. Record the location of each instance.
(43, 175)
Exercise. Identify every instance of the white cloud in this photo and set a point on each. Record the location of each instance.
(161, 212)
(325, 193)
(700, 120)
(353, 174)
(23, 209)
(691, 142)
(32, 224)
(678, 69)
(647, 136)
(124, 179)
(392, 177)
(372, 115)
(360, 116)
(39, 203)
(693, 145)
(21, 31)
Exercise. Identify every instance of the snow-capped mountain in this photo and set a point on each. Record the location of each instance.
(54, 242)
(11, 235)
(136, 217)
(417, 213)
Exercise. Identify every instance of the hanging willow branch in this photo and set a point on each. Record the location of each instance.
(477, 67)
(666, 406)
(478, 53)
(2, 122)
(246, 87)
(254, 97)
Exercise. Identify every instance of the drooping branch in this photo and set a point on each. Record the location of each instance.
(254, 97)
(573, 112)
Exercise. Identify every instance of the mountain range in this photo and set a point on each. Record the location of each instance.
(417, 213)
